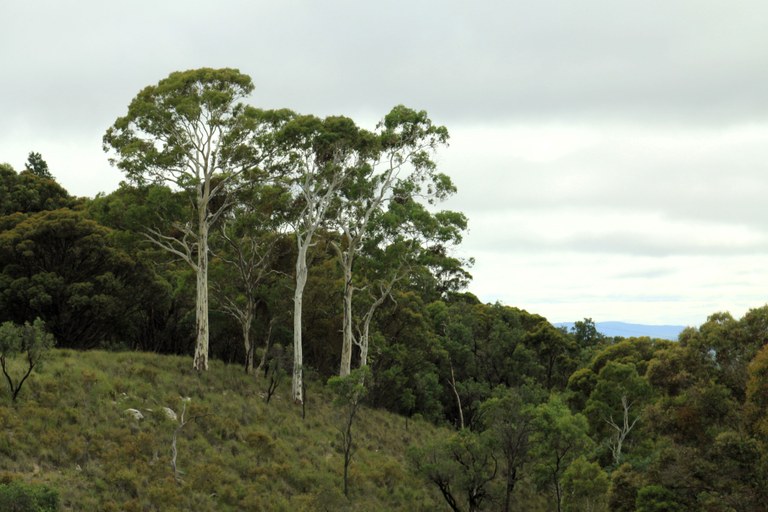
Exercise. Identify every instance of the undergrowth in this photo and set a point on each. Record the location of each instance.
(75, 430)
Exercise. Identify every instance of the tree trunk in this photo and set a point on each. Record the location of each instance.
(267, 343)
(247, 344)
(556, 482)
(364, 342)
(200, 362)
(297, 387)
(365, 335)
(511, 480)
(347, 336)
(458, 399)
(621, 431)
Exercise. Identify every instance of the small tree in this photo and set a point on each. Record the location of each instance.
(509, 418)
(349, 392)
(615, 405)
(37, 166)
(461, 466)
(30, 340)
(183, 422)
(558, 439)
(585, 487)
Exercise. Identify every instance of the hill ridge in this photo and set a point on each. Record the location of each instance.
(629, 330)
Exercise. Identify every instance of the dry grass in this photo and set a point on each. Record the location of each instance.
(69, 430)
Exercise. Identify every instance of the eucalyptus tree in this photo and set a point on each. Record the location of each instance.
(462, 467)
(397, 166)
(509, 417)
(316, 157)
(615, 405)
(191, 131)
(37, 166)
(559, 437)
(249, 244)
(406, 242)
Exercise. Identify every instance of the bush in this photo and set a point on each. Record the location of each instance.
(19, 497)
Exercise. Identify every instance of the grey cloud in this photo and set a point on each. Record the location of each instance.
(650, 246)
(724, 185)
(678, 61)
(510, 240)
(651, 273)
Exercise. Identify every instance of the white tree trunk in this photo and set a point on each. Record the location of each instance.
(347, 334)
(365, 334)
(247, 343)
(364, 337)
(200, 362)
(297, 383)
(622, 431)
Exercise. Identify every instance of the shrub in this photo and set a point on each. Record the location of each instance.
(20, 497)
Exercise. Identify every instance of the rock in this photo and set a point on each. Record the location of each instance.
(135, 413)
(170, 413)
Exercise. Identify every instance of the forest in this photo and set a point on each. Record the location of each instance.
(299, 251)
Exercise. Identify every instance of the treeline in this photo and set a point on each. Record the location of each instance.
(288, 244)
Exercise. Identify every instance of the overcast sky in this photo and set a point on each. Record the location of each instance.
(612, 157)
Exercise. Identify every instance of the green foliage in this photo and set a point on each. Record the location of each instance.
(729, 344)
(161, 290)
(37, 166)
(508, 417)
(150, 141)
(586, 333)
(348, 392)
(64, 268)
(757, 395)
(559, 438)
(585, 487)
(654, 498)
(615, 405)
(19, 497)
(30, 192)
(350, 389)
(625, 482)
(556, 352)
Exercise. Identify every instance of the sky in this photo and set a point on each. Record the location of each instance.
(612, 157)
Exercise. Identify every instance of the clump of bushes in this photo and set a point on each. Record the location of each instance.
(20, 497)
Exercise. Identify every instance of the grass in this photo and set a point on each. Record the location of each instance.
(69, 430)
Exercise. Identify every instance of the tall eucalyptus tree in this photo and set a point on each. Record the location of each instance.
(382, 204)
(191, 131)
(317, 157)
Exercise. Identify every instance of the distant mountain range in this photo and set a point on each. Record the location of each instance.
(625, 330)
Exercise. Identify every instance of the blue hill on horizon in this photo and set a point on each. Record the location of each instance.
(627, 330)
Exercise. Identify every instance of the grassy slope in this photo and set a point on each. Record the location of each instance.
(70, 431)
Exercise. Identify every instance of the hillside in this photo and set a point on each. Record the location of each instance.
(71, 431)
